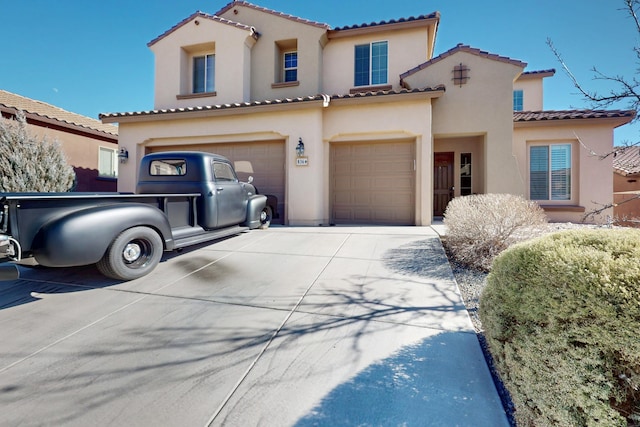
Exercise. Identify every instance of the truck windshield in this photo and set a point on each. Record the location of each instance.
(168, 167)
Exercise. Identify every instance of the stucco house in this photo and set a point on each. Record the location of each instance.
(365, 123)
(626, 186)
(90, 146)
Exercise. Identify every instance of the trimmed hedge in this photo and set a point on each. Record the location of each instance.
(562, 318)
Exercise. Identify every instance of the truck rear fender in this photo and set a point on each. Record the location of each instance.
(255, 204)
(82, 237)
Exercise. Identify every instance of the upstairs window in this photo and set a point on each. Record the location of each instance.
(286, 64)
(204, 73)
(518, 100)
(550, 172)
(290, 67)
(371, 64)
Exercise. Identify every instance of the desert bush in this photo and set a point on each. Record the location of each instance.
(561, 316)
(481, 226)
(28, 163)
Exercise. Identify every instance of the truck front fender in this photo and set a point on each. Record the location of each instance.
(255, 204)
(82, 237)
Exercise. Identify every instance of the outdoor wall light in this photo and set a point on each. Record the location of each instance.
(123, 155)
(300, 148)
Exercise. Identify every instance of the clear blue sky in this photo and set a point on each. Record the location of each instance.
(91, 57)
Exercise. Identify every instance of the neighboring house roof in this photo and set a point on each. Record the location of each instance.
(272, 12)
(463, 48)
(627, 161)
(203, 15)
(113, 117)
(539, 116)
(10, 103)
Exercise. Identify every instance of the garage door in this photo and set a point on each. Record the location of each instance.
(373, 183)
(262, 160)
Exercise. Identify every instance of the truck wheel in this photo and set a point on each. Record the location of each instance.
(133, 254)
(265, 217)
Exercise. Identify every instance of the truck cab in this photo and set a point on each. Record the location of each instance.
(223, 197)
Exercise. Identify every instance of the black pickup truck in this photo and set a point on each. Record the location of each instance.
(181, 199)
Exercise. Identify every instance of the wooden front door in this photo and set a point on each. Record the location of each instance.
(442, 182)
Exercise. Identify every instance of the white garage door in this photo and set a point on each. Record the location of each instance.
(262, 160)
(373, 183)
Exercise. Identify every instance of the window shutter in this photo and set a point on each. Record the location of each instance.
(539, 172)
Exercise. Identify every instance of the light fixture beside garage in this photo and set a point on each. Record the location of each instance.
(123, 155)
(301, 159)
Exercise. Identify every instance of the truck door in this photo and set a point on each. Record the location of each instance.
(230, 195)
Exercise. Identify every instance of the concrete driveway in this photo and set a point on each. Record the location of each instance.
(289, 326)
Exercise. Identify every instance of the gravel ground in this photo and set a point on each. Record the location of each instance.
(471, 283)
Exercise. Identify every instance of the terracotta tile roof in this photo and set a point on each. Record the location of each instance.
(463, 48)
(203, 15)
(536, 116)
(545, 73)
(10, 102)
(431, 16)
(627, 161)
(272, 12)
(112, 117)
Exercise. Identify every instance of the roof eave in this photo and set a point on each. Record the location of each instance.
(274, 105)
(615, 121)
(383, 27)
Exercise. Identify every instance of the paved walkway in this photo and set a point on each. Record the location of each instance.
(329, 326)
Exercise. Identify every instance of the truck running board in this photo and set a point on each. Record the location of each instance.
(209, 236)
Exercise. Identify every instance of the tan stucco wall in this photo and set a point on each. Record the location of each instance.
(482, 106)
(304, 185)
(307, 187)
(532, 93)
(593, 181)
(265, 56)
(373, 122)
(407, 49)
(173, 66)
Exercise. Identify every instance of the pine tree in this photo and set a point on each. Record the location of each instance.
(31, 164)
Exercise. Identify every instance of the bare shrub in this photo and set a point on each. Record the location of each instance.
(480, 227)
(29, 164)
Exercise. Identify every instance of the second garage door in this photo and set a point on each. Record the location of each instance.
(373, 183)
(262, 160)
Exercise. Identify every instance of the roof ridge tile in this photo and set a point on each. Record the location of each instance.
(234, 3)
(460, 47)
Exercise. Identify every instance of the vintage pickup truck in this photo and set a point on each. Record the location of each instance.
(181, 199)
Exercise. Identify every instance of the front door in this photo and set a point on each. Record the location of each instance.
(442, 182)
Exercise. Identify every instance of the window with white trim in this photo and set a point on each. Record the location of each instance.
(290, 66)
(371, 64)
(550, 172)
(107, 162)
(204, 73)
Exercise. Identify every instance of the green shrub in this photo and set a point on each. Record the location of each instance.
(28, 163)
(481, 226)
(562, 318)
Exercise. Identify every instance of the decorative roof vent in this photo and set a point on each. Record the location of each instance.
(460, 74)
